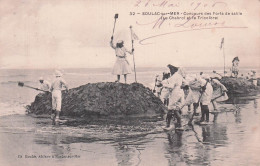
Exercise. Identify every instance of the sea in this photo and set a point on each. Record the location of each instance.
(24, 140)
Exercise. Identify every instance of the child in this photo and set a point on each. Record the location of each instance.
(56, 88)
(121, 66)
(176, 97)
(44, 85)
(219, 93)
(206, 96)
(234, 69)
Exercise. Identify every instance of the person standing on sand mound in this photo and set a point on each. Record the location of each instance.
(56, 88)
(44, 85)
(121, 66)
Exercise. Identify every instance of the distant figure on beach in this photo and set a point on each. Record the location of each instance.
(253, 77)
(219, 93)
(235, 69)
(157, 86)
(122, 66)
(56, 88)
(44, 85)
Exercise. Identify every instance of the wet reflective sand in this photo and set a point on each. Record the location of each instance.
(232, 140)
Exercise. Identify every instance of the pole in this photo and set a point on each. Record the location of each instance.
(132, 49)
(224, 61)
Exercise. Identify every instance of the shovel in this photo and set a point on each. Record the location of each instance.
(21, 84)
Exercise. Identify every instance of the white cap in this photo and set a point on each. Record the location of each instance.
(58, 73)
(120, 41)
(40, 78)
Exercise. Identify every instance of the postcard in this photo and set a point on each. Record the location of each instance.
(129, 82)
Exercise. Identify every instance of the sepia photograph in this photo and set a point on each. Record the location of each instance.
(129, 82)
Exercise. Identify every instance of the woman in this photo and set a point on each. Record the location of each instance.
(121, 66)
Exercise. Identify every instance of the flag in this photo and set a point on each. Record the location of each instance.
(222, 42)
(134, 36)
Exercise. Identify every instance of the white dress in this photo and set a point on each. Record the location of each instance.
(121, 65)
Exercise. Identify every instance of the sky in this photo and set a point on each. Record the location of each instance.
(76, 33)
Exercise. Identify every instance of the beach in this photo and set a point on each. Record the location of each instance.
(32, 140)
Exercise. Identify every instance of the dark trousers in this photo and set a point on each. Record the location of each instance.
(204, 113)
(195, 106)
(170, 114)
(166, 102)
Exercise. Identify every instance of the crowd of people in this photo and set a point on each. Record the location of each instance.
(177, 90)
(174, 88)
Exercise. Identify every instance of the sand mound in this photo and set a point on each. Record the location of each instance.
(239, 85)
(103, 99)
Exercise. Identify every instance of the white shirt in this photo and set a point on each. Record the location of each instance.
(207, 95)
(177, 95)
(58, 83)
(45, 85)
(120, 52)
(174, 82)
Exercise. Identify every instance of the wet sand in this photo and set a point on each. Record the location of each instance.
(232, 140)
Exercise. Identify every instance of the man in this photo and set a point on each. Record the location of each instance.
(56, 88)
(44, 85)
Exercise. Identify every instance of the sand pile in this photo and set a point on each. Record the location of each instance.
(103, 99)
(239, 85)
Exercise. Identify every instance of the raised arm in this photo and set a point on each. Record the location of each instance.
(112, 45)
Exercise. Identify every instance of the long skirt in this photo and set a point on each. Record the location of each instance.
(121, 67)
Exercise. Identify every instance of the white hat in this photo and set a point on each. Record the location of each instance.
(120, 41)
(58, 73)
(40, 78)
